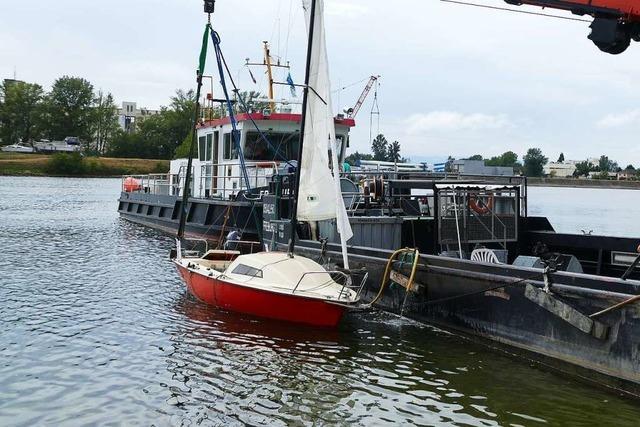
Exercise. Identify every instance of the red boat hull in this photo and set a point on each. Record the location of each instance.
(261, 303)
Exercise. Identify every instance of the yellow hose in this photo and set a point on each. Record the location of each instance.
(387, 275)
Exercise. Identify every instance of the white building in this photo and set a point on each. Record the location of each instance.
(560, 170)
(129, 114)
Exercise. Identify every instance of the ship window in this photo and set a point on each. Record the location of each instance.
(245, 270)
(216, 147)
(201, 148)
(229, 149)
(282, 146)
(209, 147)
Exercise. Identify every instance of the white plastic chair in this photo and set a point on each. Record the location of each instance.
(484, 255)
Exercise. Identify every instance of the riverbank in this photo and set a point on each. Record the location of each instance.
(42, 165)
(583, 183)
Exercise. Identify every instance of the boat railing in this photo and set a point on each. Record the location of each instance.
(462, 219)
(224, 180)
(334, 276)
(422, 180)
(162, 184)
(239, 244)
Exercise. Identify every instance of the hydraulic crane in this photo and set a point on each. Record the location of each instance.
(615, 23)
(351, 112)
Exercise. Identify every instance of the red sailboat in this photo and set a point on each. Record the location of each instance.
(269, 284)
(280, 285)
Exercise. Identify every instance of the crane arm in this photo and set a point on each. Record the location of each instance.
(353, 111)
(615, 24)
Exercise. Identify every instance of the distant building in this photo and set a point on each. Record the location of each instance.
(560, 170)
(129, 114)
(477, 167)
(596, 175)
(627, 174)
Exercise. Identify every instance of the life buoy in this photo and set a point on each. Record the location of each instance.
(480, 207)
(130, 184)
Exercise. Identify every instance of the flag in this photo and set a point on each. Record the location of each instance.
(252, 77)
(291, 85)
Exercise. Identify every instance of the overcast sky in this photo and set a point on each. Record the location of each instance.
(455, 80)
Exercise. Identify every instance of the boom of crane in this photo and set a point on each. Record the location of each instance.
(615, 23)
(351, 112)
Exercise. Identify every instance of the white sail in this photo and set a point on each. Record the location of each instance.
(319, 196)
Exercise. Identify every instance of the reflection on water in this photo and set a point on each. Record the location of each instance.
(602, 211)
(97, 328)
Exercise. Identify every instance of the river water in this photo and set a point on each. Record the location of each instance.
(96, 328)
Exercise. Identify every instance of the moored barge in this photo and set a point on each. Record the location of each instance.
(485, 267)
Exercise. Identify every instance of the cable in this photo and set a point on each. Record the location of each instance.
(506, 9)
(350, 85)
(246, 109)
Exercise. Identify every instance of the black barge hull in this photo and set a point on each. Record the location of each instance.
(208, 219)
(553, 328)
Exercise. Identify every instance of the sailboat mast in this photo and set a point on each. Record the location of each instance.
(305, 98)
(209, 6)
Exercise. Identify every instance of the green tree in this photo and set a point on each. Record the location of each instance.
(476, 157)
(561, 158)
(19, 111)
(160, 135)
(393, 152)
(607, 165)
(104, 122)
(507, 159)
(250, 99)
(534, 162)
(354, 158)
(132, 145)
(379, 148)
(583, 169)
(69, 108)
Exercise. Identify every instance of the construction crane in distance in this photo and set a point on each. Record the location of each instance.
(352, 112)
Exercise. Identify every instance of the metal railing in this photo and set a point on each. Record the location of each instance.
(152, 183)
(347, 284)
(216, 180)
(222, 180)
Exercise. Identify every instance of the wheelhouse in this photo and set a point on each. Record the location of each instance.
(268, 140)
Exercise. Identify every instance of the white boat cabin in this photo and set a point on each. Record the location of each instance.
(216, 169)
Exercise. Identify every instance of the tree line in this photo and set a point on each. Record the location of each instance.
(382, 150)
(74, 108)
(534, 161)
(532, 164)
(70, 108)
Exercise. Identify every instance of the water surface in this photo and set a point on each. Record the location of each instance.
(96, 328)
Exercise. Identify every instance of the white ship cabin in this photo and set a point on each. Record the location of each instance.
(216, 169)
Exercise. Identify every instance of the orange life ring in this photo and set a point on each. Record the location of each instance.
(481, 208)
(130, 184)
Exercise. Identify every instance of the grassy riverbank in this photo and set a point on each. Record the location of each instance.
(583, 183)
(70, 165)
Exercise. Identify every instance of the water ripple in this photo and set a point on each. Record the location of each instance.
(98, 329)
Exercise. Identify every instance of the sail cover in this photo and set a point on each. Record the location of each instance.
(319, 196)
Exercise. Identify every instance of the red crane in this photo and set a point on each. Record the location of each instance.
(615, 23)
